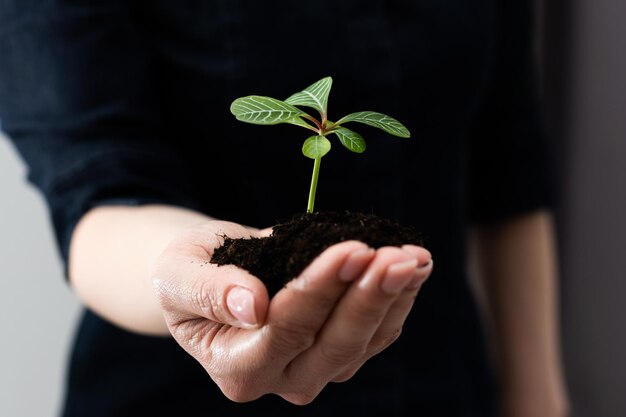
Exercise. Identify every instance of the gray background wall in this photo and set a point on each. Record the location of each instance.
(584, 60)
(37, 311)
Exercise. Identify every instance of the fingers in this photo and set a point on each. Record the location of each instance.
(391, 326)
(347, 305)
(265, 232)
(299, 311)
(222, 294)
(362, 314)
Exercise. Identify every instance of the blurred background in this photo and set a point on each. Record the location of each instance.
(582, 56)
(584, 79)
(37, 309)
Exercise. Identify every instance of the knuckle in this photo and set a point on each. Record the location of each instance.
(240, 391)
(302, 398)
(346, 375)
(162, 291)
(339, 354)
(291, 339)
(369, 314)
(318, 301)
(197, 336)
(390, 339)
(382, 342)
(204, 299)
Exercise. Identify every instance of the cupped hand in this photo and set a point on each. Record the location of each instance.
(348, 305)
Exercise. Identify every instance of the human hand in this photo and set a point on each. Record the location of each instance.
(346, 307)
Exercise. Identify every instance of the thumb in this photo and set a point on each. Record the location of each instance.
(223, 294)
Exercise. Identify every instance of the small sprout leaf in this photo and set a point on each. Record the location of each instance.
(315, 96)
(315, 147)
(262, 110)
(298, 121)
(351, 140)
(379, 120)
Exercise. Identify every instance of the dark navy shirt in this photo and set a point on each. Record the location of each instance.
(127, 102)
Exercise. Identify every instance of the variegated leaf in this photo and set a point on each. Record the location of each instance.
(315, 147)
(315, 95)
(379, 120)
(351, 140)
(262, 110)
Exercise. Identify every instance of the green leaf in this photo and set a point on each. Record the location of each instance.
(379, 120)
(298, 121)
(315, 147)
(351, 140)
(315, 96)
(262, 110)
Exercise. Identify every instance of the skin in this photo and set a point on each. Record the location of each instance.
(133, 266)
(145, 269)
(515, 278)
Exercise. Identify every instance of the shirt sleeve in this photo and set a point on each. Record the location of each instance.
(510, 156)
(77, 100)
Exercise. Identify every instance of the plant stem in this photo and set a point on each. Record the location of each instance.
(313, 120)
(316, 172)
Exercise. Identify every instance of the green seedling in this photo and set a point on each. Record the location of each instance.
(263, 110)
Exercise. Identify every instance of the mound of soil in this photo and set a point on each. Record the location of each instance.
(295, 242)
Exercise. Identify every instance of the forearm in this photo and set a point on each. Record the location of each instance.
(112, 256)
(518, 279)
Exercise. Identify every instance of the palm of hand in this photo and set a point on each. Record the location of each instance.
(347, 306)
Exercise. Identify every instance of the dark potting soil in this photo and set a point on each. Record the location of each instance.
(295, 242)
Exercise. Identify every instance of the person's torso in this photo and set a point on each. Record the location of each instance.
(422, 62)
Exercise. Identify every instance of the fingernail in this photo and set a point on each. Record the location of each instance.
(240, 302)
(398, 276)
(353, 266)
(421, 273)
